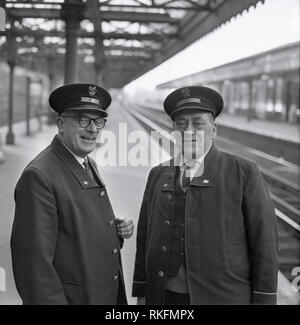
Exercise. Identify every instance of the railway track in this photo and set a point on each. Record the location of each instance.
(281, 177)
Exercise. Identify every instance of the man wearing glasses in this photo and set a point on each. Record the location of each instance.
(66, 239)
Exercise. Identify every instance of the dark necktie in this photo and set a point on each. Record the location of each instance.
(186, 177)
(87, 167)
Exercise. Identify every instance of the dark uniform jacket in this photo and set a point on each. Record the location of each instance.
(230, 234)
(65, 248)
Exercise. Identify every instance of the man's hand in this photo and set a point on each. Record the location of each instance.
(141, 301)
(124, 227)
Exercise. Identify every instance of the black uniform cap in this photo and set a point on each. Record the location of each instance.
(193, 98)
(80, 97)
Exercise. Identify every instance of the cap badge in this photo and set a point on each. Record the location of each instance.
(92, 90)
(186, 92)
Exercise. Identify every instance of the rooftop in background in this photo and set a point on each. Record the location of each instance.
(265, 27)
(278, 61)
(124, 38)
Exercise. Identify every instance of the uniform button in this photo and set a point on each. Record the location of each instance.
(170, 197)
(167, 222)
(111, 222)
(166, 185)
(115, 251)
(116, 277)
(102, 193)
(163, 248)
(161, 274)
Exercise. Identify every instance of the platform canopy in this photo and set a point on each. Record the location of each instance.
(117, 41)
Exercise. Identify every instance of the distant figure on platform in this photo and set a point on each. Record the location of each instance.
(65, 239)
(207, 229)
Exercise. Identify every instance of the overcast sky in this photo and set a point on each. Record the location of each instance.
(267, 26)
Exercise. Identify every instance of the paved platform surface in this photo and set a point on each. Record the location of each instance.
(276, 130)
(125, 187)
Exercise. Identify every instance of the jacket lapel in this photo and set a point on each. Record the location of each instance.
(169, 177)
(211, 166)
(96, 172)
(72, 164)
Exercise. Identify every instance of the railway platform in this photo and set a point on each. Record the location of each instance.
(279, 139)
(118, 179)
(272, 129)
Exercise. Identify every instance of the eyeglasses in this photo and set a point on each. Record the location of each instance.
(197, 125)
(84, 122)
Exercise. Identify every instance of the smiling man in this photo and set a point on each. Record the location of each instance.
(66, 239)
(207, 227)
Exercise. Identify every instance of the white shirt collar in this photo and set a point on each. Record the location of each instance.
(79, 159)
